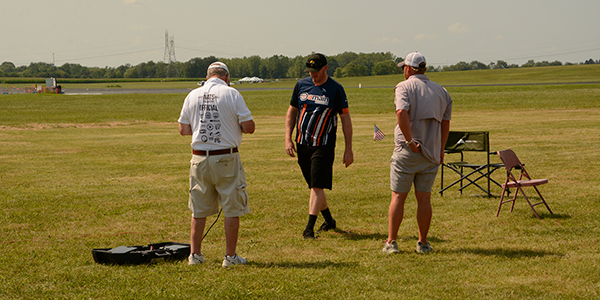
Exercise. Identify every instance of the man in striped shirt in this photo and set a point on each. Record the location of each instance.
(315, 104)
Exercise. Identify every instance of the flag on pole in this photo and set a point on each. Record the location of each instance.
(378, 135)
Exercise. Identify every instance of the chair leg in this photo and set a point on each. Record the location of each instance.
(527, 199)
(514, 199)
(442, 180)
(501, 198)
(543, 200)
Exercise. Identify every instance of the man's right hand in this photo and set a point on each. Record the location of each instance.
(415, 147)
(290, 149)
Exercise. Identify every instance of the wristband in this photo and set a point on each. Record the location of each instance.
(409, 142)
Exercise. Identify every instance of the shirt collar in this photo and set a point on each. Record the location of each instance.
(420, 76)
(216, 80)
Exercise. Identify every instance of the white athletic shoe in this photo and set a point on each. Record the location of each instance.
(229, 261)
(424, 248)
(195, 259)
(390, 248)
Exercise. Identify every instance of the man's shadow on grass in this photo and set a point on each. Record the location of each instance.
(357, 234)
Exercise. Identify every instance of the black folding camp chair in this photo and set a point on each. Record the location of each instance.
(470, 173)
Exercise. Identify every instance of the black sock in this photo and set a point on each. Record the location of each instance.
(327, 215)
(312, 219)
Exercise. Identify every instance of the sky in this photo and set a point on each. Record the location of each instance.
(111, 33)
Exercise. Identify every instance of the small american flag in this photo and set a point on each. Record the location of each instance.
(378, 135)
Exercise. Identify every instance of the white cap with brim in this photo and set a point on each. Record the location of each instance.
(413, 59)
(220, 65)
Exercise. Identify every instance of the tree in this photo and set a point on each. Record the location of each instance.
(96, 72)
(120, 71)
(530, 63)
(131, 73)
(297, 67)
(385, 68)
(276, 66)
(40, 69)
(460, 66)
(556, 63)
(475, 65)
(8, 69)
(346, 64)
(161, 69)
(500, 65)
(345, 58)
(354, 70)
(75, 70)
(254, 63)
(332, 66)
(197, 67)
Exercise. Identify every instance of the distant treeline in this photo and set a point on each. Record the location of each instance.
(347, 64)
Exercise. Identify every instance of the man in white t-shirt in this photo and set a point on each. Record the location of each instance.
(423, 111)
(216, 115)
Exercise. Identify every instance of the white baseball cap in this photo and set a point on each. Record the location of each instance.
(220, 65)
(413, 59)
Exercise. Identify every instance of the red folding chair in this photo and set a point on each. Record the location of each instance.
(512, 163)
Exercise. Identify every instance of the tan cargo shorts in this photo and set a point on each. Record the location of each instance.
(407, 167)
(218, 179)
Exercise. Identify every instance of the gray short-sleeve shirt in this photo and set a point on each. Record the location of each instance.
(427, 104)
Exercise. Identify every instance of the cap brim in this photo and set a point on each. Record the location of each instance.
(401, 64)
(311, 70)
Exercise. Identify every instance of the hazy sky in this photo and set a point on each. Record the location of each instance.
(100, 33)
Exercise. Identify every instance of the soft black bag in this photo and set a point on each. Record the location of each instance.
(135, 255)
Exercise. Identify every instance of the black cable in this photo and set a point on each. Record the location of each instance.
(213, 224)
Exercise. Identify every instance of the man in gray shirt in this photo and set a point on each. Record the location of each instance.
(423, 110)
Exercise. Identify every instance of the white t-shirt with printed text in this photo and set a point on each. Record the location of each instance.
(214, 112)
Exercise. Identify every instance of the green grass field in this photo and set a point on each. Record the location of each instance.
(100, 171)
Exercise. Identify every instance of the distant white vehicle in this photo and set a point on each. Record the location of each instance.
(201, 83)
(251, 80)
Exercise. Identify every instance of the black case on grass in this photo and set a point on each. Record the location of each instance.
(135, 255)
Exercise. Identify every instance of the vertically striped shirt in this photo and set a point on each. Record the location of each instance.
(318, 107)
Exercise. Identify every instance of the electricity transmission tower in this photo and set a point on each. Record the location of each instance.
(169, 56)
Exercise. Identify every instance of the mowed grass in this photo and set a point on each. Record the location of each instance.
(98, 171)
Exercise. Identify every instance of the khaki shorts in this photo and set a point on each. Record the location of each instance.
(218, 179)
(407, 167)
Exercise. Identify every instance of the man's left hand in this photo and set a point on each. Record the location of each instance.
(348, 158)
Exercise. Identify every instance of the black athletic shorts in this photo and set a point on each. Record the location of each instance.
(317, 165)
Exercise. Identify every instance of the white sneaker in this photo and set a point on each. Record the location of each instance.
(195, 259)
(390, 248)
(229, 261)
(424, 248)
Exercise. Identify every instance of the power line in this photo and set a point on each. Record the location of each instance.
(107, 55)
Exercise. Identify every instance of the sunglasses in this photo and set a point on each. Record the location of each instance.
(313, 64)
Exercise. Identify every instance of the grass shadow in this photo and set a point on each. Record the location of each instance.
(485, 196)
(357, 234)
(547, 215)
(506, 253)
(432, 239)
(302, 265)
(554, 216)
